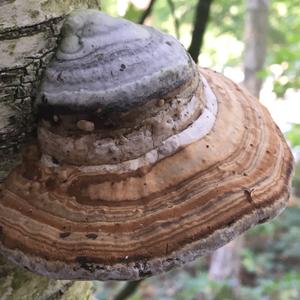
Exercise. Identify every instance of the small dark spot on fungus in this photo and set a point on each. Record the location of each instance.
(44, 99)
(99, 56)
(169, 43)
(12, 119)
(144, 273)
(122, 67)
(207, 146)
(263, 220)
(248, 193)
(86, 263)
(64, 234)
(55, 161)
(230, 223)
(59, 77)
(1, 233)
(91, 236)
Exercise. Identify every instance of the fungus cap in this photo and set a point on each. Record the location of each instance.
(128, 183)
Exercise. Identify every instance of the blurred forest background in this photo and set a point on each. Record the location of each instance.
(256, 43)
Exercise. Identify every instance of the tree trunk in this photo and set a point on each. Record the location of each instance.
(255, 43)
(200, 23)
(225, 262)
(28, 38)
(28, 35)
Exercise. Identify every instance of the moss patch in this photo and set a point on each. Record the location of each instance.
(34, 13)
(81, 290)
(17, 283)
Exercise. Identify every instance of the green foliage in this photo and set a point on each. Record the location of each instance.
(285, 44)
(133, 14)
(293, 135)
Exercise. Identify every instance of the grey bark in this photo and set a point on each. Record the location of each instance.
(28, 37)
(256, 29)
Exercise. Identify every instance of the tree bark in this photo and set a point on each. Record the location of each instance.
(225, 262)
(256, 29)
(28, 37)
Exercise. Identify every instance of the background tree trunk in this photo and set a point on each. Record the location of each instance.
(28, 37)
(225, 262)
(200, 23)
(255, 43)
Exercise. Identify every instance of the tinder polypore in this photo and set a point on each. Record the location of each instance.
(109, 63)
(143, 161)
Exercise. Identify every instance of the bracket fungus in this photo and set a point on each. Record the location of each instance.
(143, 161)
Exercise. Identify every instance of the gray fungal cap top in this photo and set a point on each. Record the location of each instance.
(109, 63)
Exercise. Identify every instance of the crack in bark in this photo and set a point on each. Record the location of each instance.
(18, 32)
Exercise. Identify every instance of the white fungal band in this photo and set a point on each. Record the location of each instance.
(201, 127)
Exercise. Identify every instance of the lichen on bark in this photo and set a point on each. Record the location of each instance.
(17, 283)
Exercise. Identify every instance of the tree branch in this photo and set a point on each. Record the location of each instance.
(176, 21)
(128, 290)
(200, 23)
(147, 12)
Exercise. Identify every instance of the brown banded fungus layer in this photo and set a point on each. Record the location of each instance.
(127, 187)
